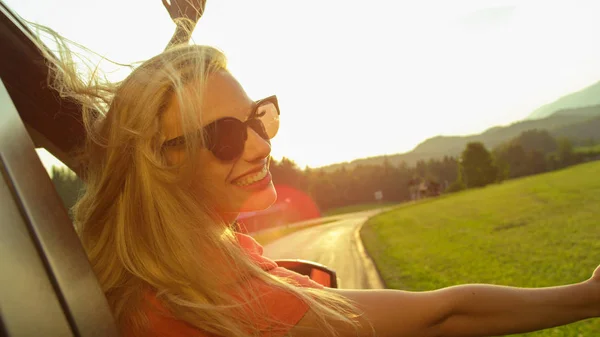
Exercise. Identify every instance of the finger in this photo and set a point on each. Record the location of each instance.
(200, 5)
(192, 4)
(166, 4)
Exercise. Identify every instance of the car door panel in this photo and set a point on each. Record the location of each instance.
(46, 221)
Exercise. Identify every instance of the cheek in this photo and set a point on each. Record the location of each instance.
(212, 177)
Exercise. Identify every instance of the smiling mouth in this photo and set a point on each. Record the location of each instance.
(252, 178)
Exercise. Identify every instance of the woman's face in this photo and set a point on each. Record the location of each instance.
(240, 185)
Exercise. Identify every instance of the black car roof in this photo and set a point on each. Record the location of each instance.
(53, 123)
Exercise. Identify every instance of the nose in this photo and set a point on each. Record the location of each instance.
(256, 148)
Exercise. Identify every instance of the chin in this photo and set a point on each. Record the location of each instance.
(259, 200)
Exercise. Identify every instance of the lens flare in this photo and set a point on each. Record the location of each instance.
(292, 206)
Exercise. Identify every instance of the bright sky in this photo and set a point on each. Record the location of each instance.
(365, 78)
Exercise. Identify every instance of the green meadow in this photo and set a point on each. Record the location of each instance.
(537, 231)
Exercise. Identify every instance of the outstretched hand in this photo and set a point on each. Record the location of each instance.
(185, 9)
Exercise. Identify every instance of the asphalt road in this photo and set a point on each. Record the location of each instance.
(335, 245)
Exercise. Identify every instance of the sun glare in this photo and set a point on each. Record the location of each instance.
(48, 160)
(371, 79)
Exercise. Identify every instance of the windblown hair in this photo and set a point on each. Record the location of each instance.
(145, 230)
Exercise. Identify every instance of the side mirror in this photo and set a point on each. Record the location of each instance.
(316, 272)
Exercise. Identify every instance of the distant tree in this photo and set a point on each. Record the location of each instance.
(342, 180)
(512, 161)
(458, 185)
(286, 172)
(590, 142)
(553, 162)
(325, 192)
(421, 168)
(536, 140)
(537, 161)
(565, 152)
(478, 166)
(532, 152)
(413, 187)
(448, 173)
(388, 168)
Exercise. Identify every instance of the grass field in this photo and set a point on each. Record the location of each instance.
(533, 232)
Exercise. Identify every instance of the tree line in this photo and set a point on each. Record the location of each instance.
(532, 152)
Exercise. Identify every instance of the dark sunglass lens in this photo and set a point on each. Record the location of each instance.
(227, 152)
(226, 138)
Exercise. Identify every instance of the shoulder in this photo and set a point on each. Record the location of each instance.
(274, 312)
(161, 323)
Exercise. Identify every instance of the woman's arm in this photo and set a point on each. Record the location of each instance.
(483, 310)
(185, 14)
(469, 310)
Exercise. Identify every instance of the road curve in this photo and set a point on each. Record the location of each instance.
(336, 245)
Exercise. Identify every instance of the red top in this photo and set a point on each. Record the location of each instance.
(277, 305)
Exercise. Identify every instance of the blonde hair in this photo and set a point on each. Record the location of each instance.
(143, 228)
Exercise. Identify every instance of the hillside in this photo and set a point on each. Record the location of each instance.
(586, 97)
(497, 135)
(588, 111)
(589, 129)
(577, 124)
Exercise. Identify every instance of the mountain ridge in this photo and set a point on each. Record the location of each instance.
(578, 124)
(575, 116)
(587, 96)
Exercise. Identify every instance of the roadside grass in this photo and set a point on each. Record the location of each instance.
(357, 208)
(268, 236)
(533, 232)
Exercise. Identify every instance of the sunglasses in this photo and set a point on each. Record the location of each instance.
(226, 137)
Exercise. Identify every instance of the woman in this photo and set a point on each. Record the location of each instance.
(174, 153)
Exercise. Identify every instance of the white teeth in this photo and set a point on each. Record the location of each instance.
(247, 180)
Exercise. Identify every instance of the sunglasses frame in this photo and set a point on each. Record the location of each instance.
(180, 140)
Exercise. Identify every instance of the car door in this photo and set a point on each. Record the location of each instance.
(47, 286)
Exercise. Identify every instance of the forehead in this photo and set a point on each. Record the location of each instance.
(223, 97)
